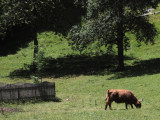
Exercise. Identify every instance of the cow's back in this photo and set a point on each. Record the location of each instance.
(121, 96)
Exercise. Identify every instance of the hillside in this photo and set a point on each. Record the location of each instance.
(82, 80)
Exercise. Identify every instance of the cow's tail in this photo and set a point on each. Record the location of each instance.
(107, 93)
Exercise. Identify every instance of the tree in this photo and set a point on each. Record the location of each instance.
(0, 16)
(108, 21)
(40, 15)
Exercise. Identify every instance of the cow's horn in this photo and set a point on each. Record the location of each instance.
(141, 100)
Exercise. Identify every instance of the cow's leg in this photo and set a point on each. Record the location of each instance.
(110, 106)
(106, 105)
(126, 105)
(131, 106)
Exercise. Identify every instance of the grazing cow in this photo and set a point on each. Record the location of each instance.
(121, 96)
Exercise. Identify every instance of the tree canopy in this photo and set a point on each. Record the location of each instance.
(57, 15)
(39, 15)
(108, 21)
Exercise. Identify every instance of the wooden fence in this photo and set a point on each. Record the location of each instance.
(44, 90)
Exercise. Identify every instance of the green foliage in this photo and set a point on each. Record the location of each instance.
(36, 79)
(40, 60)
(40, 64)
(103, 19)
(91, 31)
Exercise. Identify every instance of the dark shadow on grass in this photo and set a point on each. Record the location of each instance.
(113, 109)
(30, 101)
(71, 65)
(140, 68)
(74, 65)
(87, 65)
(57, 99)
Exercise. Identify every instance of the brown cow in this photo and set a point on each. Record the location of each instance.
(121, 96)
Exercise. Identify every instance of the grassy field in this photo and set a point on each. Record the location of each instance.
(82, 81)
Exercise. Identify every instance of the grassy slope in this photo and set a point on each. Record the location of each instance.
(83, 96)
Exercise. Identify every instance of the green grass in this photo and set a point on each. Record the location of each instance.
(83, 99)
(82, 93)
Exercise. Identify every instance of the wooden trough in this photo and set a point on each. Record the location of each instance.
(44, 90)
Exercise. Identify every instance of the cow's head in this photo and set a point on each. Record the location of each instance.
(138, 104)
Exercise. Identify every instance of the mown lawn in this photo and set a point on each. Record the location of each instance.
(81, 94)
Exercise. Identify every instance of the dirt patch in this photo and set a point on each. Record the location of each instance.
(6, 110)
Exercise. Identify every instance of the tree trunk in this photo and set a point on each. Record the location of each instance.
(120, 36)
(120, 51)
(35, 54)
